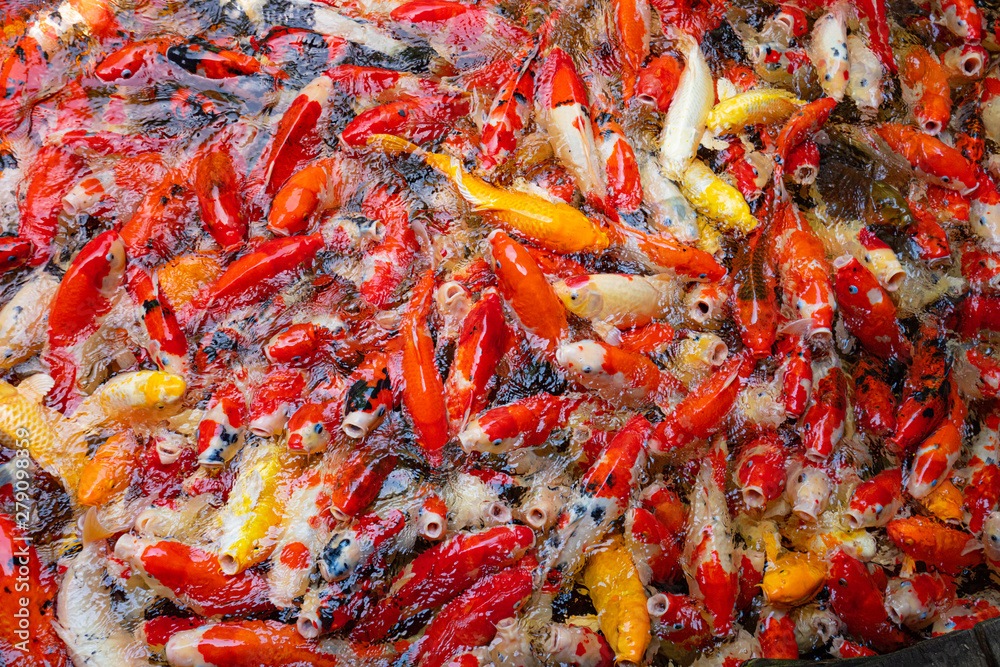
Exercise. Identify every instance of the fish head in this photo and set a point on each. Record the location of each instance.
(579, 296)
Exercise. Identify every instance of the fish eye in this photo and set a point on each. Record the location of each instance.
(587, 369)
(842, 582)
(945, 179)
(110, 257)
(497, 442)
(802, 477)
(318, 428)
(852, 289)
(126, 74)
(574, 296)
(678, 626)
(993, 538)
(296, 359)
(160, 406)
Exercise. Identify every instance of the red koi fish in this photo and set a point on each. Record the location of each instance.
(480, 346)
(925, 391)
(868, 312)
(217, 189)
(384, 268)
(15, 253)
(800, 258)
(700, 414)
(257, 275)
(423, 391)
(776, 634)
(797, 374)
(657, 82)
(680, 620)
(296, 139)
(946, 549)
(620, 166)
(930, 157)
(157, 226)
(420, 121)
(471, 619)
(356, 483)
(508, 116)
(798, 128)
(273, 399)
(241, 643)
(823, 422)
(654, 548)
(876, 501)
(134, 64)
(937, 455)
(524, 423)
(619, 377)
(204, 59)
(33, 641)
(632, 18)
(926, 90)
(441, 573)
(50, 177)
(524, 288)
(858, 601)
(81, 301)
(194, 577)
(874, 401)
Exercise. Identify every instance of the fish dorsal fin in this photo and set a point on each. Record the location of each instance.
(35, 388)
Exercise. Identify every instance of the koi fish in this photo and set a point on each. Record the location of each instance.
(556, 226)
(868, 311)
(614, 587)
(708, 553)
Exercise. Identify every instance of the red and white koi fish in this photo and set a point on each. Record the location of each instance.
(563, 110)
(599, 499)
(708, 558)
(760, 470)
(876, 501)
(84, 297)
(823, 422)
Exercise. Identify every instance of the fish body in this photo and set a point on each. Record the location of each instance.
(868, 311)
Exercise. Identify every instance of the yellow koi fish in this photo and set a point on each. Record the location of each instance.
(754, 107)
(620, 600)
(556, 226)
(716, 199)
(255, 506)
